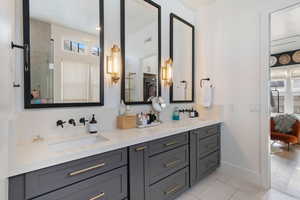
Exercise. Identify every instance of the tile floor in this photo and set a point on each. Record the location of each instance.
(285, 168)
(219, 187)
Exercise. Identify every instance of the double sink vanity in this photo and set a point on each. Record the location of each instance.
(64, 56)
(158, 163)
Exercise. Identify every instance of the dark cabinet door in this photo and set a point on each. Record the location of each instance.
(204, 152)
(139, 172)
(193, 158)
(109, 186)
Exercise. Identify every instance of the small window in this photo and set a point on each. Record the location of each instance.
(74, 46)
(296, 99)
(279, 103)
(95, 51)
(81, 48)
(296, 85)
(67, 45)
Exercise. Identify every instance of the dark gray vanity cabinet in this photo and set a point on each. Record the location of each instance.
(159, 170)
(156, 170)
(139, 172)
(103, 175)
(205, 152)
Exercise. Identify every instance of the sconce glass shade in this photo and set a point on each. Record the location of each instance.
(114, 63)
(167, 72)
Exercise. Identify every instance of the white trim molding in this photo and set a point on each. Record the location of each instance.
(265, 52)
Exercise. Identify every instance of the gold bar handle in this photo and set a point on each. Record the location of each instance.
(171, 143)
(141, 148)
(171, 164)
(87, 169)
(173, 190)
(98, 196)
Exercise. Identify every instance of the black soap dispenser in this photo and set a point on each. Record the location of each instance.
(93, 129)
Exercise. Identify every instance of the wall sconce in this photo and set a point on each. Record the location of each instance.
(167, 72)
(114, 64)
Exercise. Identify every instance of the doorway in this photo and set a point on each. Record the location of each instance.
(284, 90)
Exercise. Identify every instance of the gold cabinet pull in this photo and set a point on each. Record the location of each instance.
(98, 196)
(171, 143)
(171, 164)
(141, 148)
(173, 190)
(87, 169)
(211, 145)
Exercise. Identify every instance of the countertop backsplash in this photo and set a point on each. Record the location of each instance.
(33, 123)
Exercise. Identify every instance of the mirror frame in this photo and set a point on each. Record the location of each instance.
(123, 52)
(27, 79)
(172, 18)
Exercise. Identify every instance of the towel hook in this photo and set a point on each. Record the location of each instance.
(204, 79)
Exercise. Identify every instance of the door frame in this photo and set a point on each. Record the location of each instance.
(265, 50)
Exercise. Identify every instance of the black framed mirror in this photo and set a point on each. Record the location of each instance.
(64, 53)
(141, 50)
(182, 52)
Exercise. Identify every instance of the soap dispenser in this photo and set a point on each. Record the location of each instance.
(93, 129)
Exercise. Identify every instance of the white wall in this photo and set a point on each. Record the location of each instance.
(27, 119)
(6, 23)
(229, 52)
(28, 123)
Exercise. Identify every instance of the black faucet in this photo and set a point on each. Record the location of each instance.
(83, 121)
(60, 123)
(72, 121)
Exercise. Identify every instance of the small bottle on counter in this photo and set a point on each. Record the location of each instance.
(192, 113)
(122, 108)
(93, 129)
(176, 115)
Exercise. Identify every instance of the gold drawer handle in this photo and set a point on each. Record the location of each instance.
(173, 190)
(98, 196)
(171, 164)
(87, 169)
(171, 143)
(141, 148)
(211, 145)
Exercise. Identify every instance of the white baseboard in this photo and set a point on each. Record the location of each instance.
(240, 173)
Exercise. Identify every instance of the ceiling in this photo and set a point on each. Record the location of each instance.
(285, 30)
(79, 15)
(75, 14)
(147, 14)
(194, 4)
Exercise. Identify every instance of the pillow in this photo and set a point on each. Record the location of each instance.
(284, 123)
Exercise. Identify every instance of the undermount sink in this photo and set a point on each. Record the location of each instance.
(76, 143)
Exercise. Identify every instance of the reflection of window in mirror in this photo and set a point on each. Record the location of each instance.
(64, 51)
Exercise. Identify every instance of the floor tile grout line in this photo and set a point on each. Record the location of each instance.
(285, 193)
(234, 193)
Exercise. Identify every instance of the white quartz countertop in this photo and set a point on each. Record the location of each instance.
(38, 155)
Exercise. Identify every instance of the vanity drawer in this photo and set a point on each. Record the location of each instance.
(52, 178)
(171, 187)
(208, 164)
(168, 143)
(207, 131)
(108, 186)
(208, 145)
(164, 164)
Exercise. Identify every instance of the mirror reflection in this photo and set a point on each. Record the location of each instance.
(142, 56)
(65, 52)
(182, 53)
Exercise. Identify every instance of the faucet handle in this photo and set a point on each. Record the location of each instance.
(83, 121)
(60, 123)
(72, 121)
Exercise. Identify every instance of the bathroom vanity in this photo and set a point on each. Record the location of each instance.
(158, 163)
